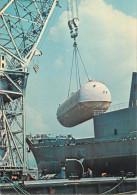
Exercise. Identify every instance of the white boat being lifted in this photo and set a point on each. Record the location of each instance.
(81, 105)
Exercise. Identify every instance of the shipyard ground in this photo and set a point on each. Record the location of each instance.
(100, 185)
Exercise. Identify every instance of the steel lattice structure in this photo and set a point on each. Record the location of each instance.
(22, 23)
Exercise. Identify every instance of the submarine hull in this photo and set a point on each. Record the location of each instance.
(80, 106)
(82, 112)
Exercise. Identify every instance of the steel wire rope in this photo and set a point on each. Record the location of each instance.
(72, 9)
(83, 64)
(75, 59)
(76, 63)
(77, 70)
(19, 188)
(77, 12)
(49, 27)
(12, 186)
(127, 192)
(114, 186)
(76, 66)
(71, 5)
(71, 73)
(68, 10)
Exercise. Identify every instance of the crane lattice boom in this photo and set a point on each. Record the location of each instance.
(22, 24)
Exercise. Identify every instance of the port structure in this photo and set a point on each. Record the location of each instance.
(22, 24)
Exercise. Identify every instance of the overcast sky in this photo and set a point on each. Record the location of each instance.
(107, 42)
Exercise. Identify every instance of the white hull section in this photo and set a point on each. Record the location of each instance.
(81, 105)
(81, 113)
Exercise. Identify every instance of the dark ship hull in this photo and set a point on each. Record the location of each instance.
(114, 148)
(106, 156)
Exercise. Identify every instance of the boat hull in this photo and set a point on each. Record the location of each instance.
(108, 156)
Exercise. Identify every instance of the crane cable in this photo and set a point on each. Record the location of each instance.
(75, 62)
(73, 19)
(16, 187)
(77, 69)
(83, 64)
(71, 74)
(121, 181)
(77, 8)
(71, 9)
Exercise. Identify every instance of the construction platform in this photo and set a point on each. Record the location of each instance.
(100, 185)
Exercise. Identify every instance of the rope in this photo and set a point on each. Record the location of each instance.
(13, 187)
(114, 187)
(16, 187)
(77, 9)
(77, 70)
(72, 5)
(71, 74)
(22, 190)
(83, 64)
(130, 192)
(76, 63)
(78, 73)
(50, 23)
(72, 9)
(68, 10)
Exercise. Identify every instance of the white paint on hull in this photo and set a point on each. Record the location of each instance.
(81, 105)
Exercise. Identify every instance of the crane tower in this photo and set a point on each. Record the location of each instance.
(22, 23)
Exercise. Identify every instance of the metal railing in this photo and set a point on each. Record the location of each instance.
(112, 108)
(118, 106)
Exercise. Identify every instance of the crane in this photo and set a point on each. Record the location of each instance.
(73, 18)
(73, 24)
(22, 24)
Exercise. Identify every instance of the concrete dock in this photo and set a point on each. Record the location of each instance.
(100, 185)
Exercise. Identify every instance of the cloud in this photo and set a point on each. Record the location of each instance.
(34, 121)
(59, 61)
(60, 30)
(107, 41)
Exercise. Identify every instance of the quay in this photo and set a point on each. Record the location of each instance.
(100, 185)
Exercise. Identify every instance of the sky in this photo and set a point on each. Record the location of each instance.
(107, 43)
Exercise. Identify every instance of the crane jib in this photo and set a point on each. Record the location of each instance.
(22, 26)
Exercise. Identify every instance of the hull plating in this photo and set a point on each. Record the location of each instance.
(80, 106)
(82, 112)
(114, 156)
